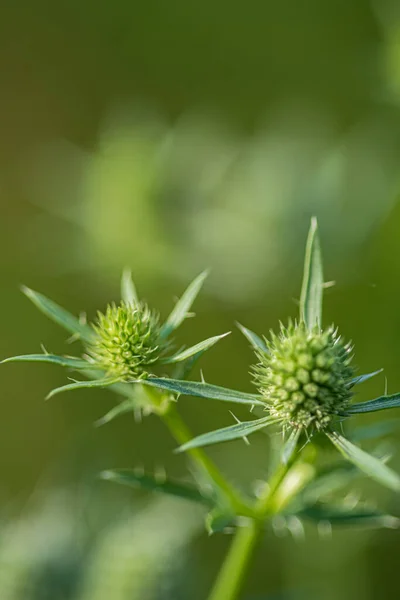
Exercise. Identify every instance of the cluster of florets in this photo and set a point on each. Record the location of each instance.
(305, 377)
(127, 341)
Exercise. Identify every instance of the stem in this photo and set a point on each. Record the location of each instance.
(234, 569)
(182, 434)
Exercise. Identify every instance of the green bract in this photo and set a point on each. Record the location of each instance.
(305, 381)
(127, 341)
(305, 376)
(126, 344)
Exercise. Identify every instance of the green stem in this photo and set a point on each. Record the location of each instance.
(234, 569)
(182, 434)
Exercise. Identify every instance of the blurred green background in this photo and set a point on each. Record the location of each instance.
(170, 137)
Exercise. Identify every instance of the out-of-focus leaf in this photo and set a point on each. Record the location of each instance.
(128, 290)
(200, 347)
(59, 315)
(340, 515)
(203, 390)
(370, 432)
(362, 378)
(63, 361)
(182, 307)
(290, 446)
(313, 280)
(367, 463)
(147, 481)
(234, 432)
(381, 403)
(218, 519)
(127, 406)
(255, 340)
(76, 385)
(329, 480)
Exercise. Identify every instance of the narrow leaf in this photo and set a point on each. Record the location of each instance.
(362, 378)
(200, 347)
(127, 406)
(313, 280)
(183, 369)
(128, 290)
(290, 446)
(234, 432)
(367, 463)
(59, 315)
(96, 383)
(381, 403)
(63, 361)
(203, 390)
(254, 339)
(154, 483)
(340, 515)
(182, 307)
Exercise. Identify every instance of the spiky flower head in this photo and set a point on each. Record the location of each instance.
(305, 377)
(127, 340)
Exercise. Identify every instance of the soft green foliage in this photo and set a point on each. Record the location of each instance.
(305, 383)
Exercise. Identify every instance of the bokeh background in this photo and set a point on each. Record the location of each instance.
(170, 137)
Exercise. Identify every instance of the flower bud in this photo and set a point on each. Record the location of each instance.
(305, 377)
(127, 341)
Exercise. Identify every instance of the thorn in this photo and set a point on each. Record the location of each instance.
(82, 318)
(386, 386)
(73, 338)
(328, 284)
(244, 437)
(44, 349)
(202, 376)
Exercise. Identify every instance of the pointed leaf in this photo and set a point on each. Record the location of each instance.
(183, 369)
(128, 290)
(203, 390)
(234, 432)
(127, 406)
(341, 515)
(183, 305)
(200, 347)
(313, 280)
(59, 315)
(154, 483)
(362, 378)
(254, 339)
(63, 361)
(381, 403)
(96, 383)
(367, 463)
(290, 446)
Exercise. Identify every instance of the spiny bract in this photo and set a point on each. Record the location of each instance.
(127, 340)
(305, 378)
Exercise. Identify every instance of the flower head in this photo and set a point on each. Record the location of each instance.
(305, 376)
(127, 340)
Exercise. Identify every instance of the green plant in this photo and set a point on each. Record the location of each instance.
(304, 379)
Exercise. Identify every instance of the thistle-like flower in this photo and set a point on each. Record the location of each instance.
(305, 382)
(126, 344)
(305, 376)
(128, 341)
